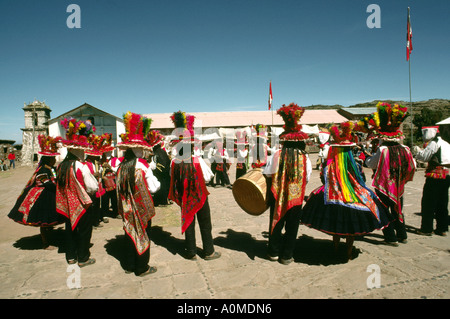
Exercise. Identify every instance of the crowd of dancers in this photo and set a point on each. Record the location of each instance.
(80, 190)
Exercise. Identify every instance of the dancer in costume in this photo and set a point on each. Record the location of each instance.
(242, 154)
(189, 175)
(324, 146)
(36, 205)
(161, 170)
(108, 176)
(288, 171)
(437, 183)
(93, 158)
(218, 157)
(74, 188)
(344, 206)
(259, 151)
(135, 183)
(394, 166)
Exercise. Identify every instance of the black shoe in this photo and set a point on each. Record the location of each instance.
(286, 261)
(391, 243)
(213, 256)
(88, 262)
(419, 232)
(150, 270)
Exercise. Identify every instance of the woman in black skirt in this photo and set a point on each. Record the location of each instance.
(36, 205)
(344, 206)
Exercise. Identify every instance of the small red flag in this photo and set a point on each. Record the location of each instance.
(409, 46)
(270, 95)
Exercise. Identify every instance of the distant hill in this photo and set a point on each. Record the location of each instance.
(435, 104)
(442, 105)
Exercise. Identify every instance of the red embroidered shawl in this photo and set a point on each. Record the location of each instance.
(192, 197)
(393, 189)
(287, 193)
(72, 200)
(137, 209)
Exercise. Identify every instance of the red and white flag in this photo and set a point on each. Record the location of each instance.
(409, 47)
(270, 95)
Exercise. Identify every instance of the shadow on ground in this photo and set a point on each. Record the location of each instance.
(34, 242)
(308, 250)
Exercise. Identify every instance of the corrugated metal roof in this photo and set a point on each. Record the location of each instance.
(247, 118)
(359, 110)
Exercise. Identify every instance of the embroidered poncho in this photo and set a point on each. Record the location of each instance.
(288, 192)
(393, 188)
(137, 209)
(72, 200)
(191, 196)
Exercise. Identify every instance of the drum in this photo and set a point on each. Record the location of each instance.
(249, 191)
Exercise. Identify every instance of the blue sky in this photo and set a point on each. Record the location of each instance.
(158, 56)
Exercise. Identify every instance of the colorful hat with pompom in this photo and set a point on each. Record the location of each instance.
(291, 115)
(154, 137)
(388, 119)
(107, 143)
(342, 135)
(137, 127)
(96, 143)
(77, 133)
(49, 145)
(184, 125)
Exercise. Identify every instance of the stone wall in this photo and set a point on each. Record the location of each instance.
(27, 148)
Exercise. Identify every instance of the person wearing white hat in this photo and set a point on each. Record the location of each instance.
(437, 183)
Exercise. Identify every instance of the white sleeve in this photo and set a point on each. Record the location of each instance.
(153, 184)
(426, 154)
(372, 161)
(207, 172)
(152, 164)
(308, 168)
(89, 180)
(272, 164)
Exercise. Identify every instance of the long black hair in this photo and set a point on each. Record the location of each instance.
(63, 170)
(127, 170)
(184, 170)
(293, 149)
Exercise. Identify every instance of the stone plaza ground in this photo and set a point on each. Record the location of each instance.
(418, 269)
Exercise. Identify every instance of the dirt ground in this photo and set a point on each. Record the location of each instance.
(418, 269)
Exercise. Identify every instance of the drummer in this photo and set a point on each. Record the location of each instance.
(242, 154)
(287, 172)
(259, 149)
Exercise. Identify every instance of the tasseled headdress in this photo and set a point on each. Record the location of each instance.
(49, 145)
(136, 127)
(388, 119)
(184, 121)
(342, 135)
(77, 133)
(291, 115)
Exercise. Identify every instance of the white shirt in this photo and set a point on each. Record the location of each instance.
(89, 180)
(114, 162)
(432, 148)
(153, 184)
(273, 164)
(372, 161)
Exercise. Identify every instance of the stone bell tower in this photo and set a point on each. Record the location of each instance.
(37, 115)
